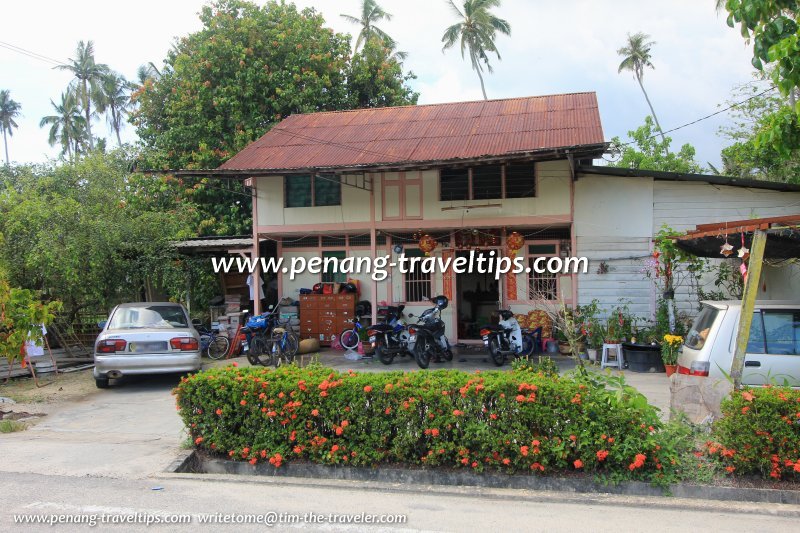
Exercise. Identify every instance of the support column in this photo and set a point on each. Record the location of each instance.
(256, 287)
(373, 249)
(748, 304)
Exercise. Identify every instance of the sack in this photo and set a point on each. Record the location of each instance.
(257, 322)
(306, 291)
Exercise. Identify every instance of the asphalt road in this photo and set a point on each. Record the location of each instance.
(421, 508)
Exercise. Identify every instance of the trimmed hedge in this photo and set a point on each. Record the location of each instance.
(514, 422)
(759, 433)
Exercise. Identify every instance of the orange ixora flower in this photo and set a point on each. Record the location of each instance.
(578, 463)
(601, 455)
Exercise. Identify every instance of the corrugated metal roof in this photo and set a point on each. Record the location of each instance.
(215, 242)
(419, 134)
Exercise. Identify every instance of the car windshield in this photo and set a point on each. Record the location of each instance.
(696, 338)
(155, 316)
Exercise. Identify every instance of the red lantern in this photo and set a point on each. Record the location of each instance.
(427, 244)
(515, 242)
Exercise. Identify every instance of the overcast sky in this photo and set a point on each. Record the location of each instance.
(555, 47)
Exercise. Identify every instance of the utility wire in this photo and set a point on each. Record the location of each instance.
(705, 117)
(29, 53)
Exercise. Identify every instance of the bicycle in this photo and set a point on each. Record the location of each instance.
(350, 338)
(212, 344)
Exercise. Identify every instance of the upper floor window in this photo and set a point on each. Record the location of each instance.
(488, 182)
(312, 191)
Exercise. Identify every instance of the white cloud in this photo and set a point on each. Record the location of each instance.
(564, 46)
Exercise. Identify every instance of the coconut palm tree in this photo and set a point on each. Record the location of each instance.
(635, 57)
(371, 13)
(476, 31)
(67, 125)
(115, 102)
(88, 77)
(9, 110)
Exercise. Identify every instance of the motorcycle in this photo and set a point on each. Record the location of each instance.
(390, 339)
(427, 337)
(507, 338)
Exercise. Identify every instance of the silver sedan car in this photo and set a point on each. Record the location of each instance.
(146, 338)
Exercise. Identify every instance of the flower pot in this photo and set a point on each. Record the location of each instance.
(563, 348)
(592, 354)
(671, 369)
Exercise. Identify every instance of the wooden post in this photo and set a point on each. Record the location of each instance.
(748, 304)
(256, 287)
(373, 239)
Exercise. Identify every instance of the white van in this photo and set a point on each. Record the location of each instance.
(773, 351)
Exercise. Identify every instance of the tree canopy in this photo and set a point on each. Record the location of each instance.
(645, 152)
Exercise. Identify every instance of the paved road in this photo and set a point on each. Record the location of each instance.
(424, 508)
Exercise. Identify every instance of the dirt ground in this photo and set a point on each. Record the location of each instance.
(55, 392)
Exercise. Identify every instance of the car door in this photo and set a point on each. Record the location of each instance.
(773, 352)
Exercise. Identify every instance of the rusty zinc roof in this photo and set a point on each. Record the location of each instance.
(425, 133)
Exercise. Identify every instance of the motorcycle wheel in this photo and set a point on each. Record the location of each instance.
(422, 353)
(497, 354)
(384, 356)
(349, 339)
(527, 345)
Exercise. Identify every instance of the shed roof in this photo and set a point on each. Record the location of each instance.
(420, 134)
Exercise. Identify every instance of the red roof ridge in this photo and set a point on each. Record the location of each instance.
(441, 104)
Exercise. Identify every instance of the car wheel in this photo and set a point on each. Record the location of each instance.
(101, 383)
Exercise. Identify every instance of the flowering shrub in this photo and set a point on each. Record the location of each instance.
(514, 422)
(670, 347)
(759, 433)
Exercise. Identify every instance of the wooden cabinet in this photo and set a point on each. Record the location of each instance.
(323, 316)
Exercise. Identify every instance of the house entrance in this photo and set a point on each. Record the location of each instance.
(476, 294)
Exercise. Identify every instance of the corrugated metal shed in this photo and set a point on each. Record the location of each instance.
(425, 133)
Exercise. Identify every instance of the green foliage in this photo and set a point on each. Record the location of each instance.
(772, 27)
(647, 153)
(249, 67)
(509, 421)
(747, 157)
(542, 364)
(475, 32)
(11, 426)
(758, 433)
(22, 315)
(89, 233)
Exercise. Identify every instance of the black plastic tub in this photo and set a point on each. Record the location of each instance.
(643, 357)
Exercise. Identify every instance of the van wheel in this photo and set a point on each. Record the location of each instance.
(101, 383)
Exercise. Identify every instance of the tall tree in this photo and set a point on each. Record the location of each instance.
(115, 101)
(9, 110)
(476, 30)
(88, 77)
(635, 57)
(371, 13)
(246, 69)
(67, 125)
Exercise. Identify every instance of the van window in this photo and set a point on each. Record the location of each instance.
(781, 328)
(756, 342)
(696, 338)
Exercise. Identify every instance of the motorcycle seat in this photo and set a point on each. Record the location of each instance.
(381, 327)
(492, 327)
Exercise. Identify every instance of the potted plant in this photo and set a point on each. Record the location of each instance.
(669, 352)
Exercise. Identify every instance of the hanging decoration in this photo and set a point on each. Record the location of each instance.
(476, 239)
(514, 243)
(427, 244)
(727, 248)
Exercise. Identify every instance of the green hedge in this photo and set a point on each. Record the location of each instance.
(759, 433)
(514, 422)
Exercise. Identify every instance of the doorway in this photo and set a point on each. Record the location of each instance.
(477, 294)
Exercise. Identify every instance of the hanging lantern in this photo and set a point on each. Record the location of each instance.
(427, 244)
(515, 242)
(744, 253)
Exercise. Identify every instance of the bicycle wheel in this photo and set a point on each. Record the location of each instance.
(349, 339)
(262, 350)
(289, 345)
(218, 347)
(528, 344)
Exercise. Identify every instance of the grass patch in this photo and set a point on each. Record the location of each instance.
(11, 426)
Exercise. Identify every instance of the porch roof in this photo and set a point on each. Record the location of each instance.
(783, 237)
(513, 128)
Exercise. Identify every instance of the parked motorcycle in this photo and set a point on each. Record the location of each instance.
(427, 337)
(507, 338)
(390, 339)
